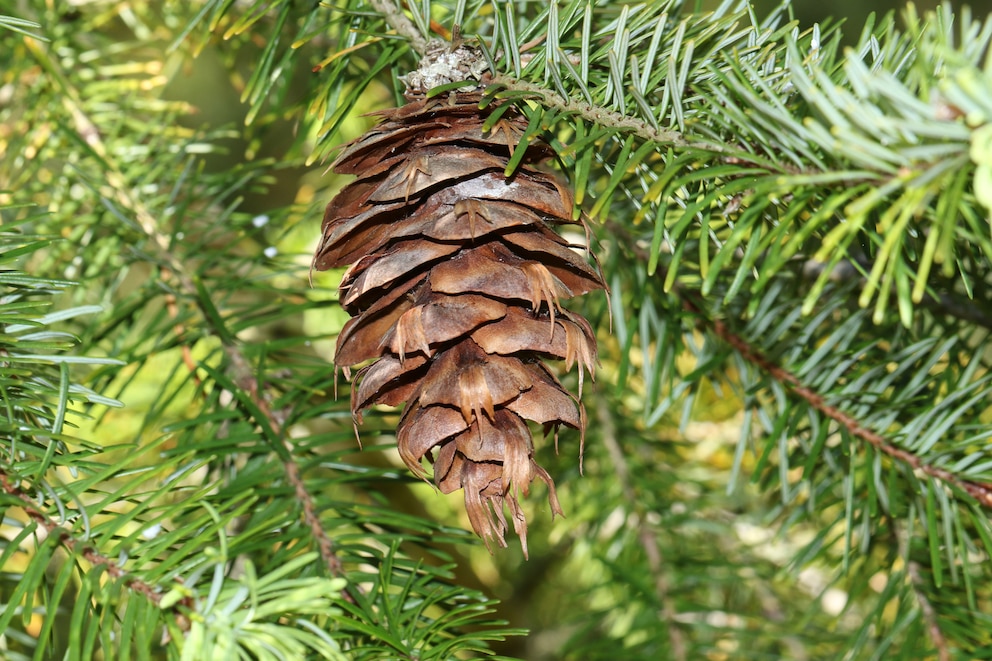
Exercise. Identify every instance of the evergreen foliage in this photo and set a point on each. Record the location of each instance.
(788, 453)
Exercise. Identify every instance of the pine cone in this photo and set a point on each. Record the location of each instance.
(455, 290)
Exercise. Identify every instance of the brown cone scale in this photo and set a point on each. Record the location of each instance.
(455, 287)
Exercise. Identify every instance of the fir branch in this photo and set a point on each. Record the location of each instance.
(939, 302)
(175, 270)
(404, 27)
(600, 115)
(648, 541)
(248, 383)
(929, 613)
(172, 307)
(605, 117)
(953, 306)
(77, 546)
(980, 491)
(245, 379)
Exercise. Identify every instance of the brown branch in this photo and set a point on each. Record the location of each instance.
(647, 539)
(929, 613)
(397, 20)
(946, 303)
(594, 113)
(76, 546)
(245, 379)
(980, 491)
(176, 270)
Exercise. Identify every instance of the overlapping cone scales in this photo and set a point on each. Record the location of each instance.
(455, 288)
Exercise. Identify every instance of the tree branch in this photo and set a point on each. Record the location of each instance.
(941, 303)
(76, 546)
(245, 379)
(980, 491)
(593, 113)
(953, 306)
(176, 270)
(646, 536)
(404, 27)
(929, 613)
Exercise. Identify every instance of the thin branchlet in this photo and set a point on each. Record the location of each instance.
(65, 538)
(172, 270)
(980, 491)
(404, 27)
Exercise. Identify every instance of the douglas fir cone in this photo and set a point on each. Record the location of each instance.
(455, 290)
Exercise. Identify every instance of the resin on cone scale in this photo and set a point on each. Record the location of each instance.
(456, 287)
